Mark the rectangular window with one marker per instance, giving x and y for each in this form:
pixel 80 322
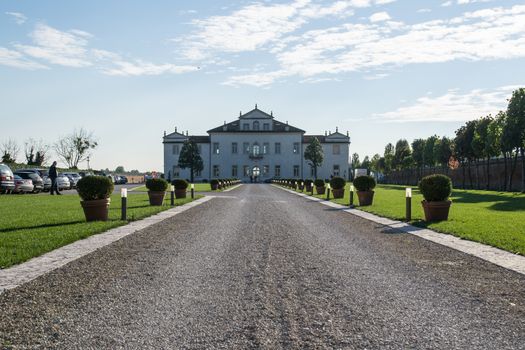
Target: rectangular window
pixel 176 172
pixel 277 171
pixel 198 173
pixel 312 172
pixel 246 126
pixel 296 171
pixel 215 148
pixel 234 147
pixel 266 169
pixel 199 147
pixel 216 172
pixel 234 170
pixel 246 147
pixel 266 148
pixel 296 147
pixel 176 149
pixel 336 170
pixel 277 148
pixel 246 170
pixel 266 126
pixel 336 149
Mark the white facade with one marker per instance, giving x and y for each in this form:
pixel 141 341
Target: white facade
pixel 257 145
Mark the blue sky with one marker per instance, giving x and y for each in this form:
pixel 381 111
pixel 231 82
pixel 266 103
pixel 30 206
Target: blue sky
pixel 381 69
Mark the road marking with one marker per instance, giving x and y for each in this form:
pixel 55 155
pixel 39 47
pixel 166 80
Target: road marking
pixel 19 274
pixel 493 255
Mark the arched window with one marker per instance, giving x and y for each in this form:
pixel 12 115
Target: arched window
pixel 255 125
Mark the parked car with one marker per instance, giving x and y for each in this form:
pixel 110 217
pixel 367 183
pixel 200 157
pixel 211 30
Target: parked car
pixel 40 172
pixel 7 183
pixel 73 178
pixel 38 183
pixel 63 182
pixel 47 183
pixel 23 185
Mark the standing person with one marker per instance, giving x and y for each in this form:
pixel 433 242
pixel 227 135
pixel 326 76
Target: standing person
pixel 53 176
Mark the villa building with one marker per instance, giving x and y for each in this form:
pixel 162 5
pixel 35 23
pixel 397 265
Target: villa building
pixel 258 146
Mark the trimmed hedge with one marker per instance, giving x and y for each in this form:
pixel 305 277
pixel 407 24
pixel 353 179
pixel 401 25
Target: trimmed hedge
pixel 435 188
pixel 180 184
pixel 364 183
pixel 94 187
pixel 319 183
pixel 337 183
pixel 157 185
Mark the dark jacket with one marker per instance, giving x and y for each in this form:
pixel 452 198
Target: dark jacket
pixel 53 172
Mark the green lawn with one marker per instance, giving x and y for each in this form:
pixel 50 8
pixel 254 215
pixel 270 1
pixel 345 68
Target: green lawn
pixel 33 225
pixel 199 187
pixel 493 218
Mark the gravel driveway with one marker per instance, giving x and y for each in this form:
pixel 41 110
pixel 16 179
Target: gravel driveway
pixel 262 268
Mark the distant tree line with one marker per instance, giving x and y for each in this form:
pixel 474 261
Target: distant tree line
pixel 70 149
pixel 475 145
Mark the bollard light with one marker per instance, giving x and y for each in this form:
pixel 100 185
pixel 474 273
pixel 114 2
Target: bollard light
pixel 192 186
pixel 172 195
pixel 124 203
pixel 328 187
pixel 352 197
pixel 408 195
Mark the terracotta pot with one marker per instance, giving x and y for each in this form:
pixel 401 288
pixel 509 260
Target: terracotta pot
pixel 320 190
pixel 96 210
pixel 156 197
pixel 436 211
pixel 308 188
pixel 294 186
pixel 180 193
pixel 338 193
pixel 365 197
pixel 214 187
pixel 301 188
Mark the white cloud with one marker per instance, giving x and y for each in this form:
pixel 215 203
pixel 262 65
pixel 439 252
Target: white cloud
pixel 15 59
pixel 379 17
pixel 489 34
pixel 58 47
pixel 137 68
pixel 451 107
pixel 71 49
pixel 18 17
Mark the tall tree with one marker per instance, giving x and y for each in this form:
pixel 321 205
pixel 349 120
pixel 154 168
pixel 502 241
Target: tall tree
pixel 375 166
pixel 428 153
pixel 418 148
pixel 516 116
pixel 443 150
pixel 10 150
pixel 402 155
pixel 480 145
pixel 314 154
pixel 190 157
pixel 119 169
pixel 76 147
pixel 463 147
pixel 355 162
pixel 36 151
pixel 493 143
pixel 365 164
pixel 389 157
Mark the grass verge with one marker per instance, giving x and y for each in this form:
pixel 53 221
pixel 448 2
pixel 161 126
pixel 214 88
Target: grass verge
pixel 492 218
pixel 33 225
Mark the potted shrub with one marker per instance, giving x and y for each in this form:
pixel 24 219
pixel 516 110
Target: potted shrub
pixel 436 190
pixel 95 192
pixel 364 186
pixel 301 184
pixel 338 186
pixel 319 186
pixel 156 190
pixel 214 184
pixel 308 183
pixel 180 188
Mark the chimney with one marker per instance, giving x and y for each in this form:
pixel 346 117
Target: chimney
pixel 164 133
pixel 175 129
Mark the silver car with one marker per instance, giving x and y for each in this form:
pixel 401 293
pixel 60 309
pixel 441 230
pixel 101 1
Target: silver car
pixel 63 182
pixel 73 178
